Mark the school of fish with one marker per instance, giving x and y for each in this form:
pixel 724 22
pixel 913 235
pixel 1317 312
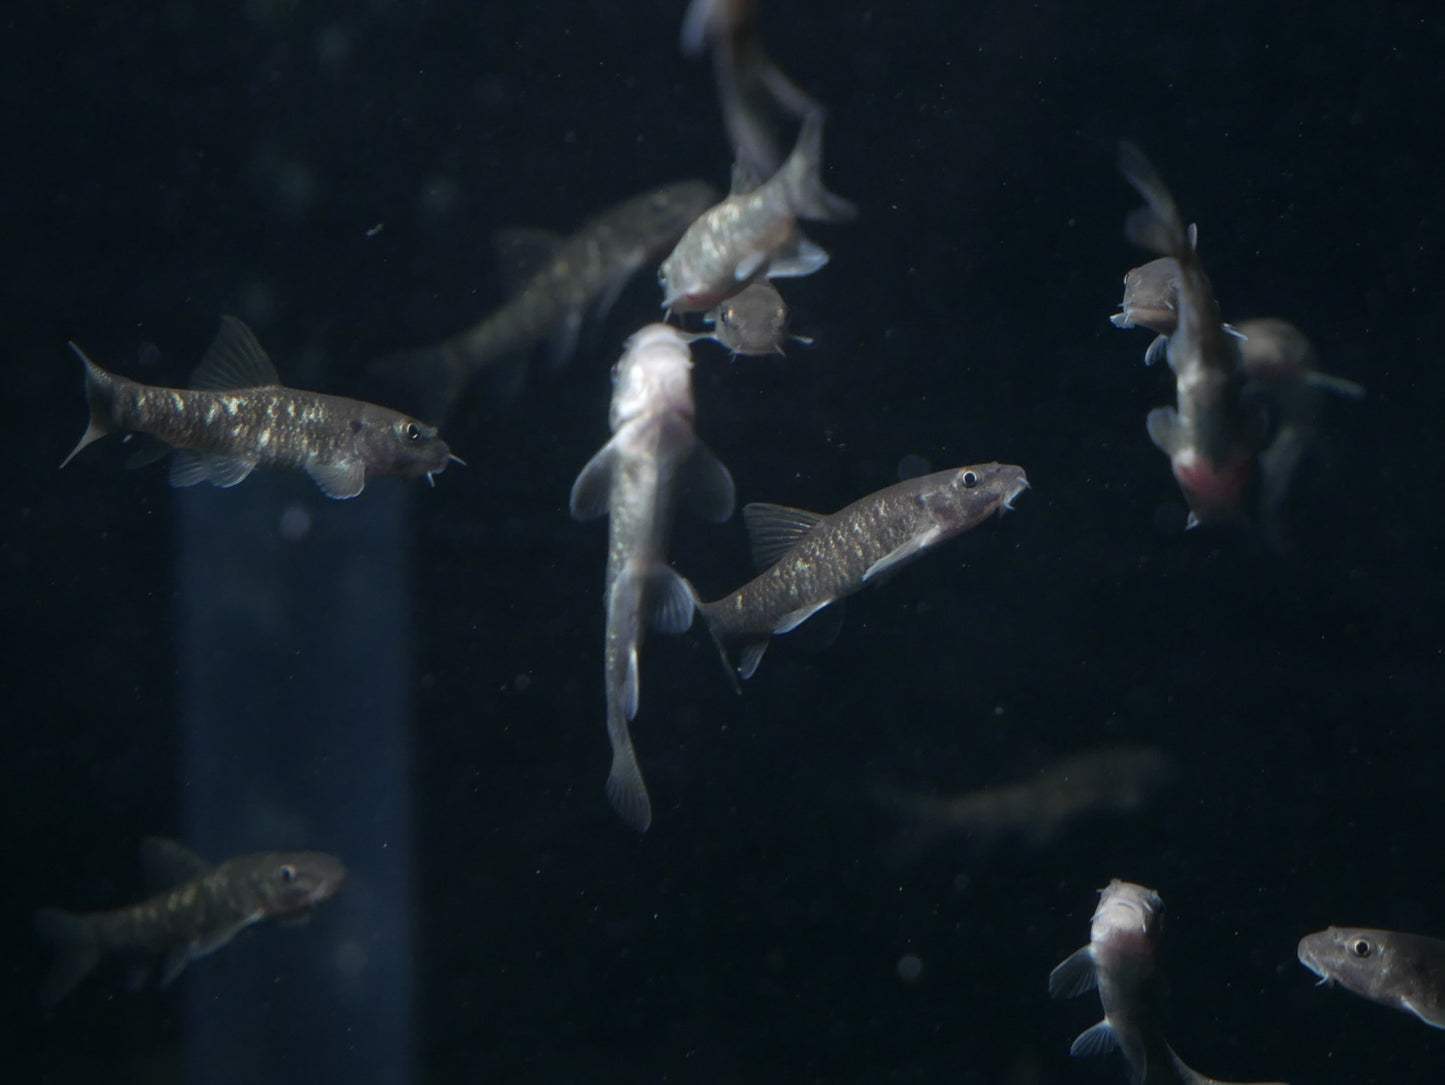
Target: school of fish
pixel 1248 403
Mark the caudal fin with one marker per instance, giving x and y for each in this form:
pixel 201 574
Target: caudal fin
pixel 1189 1076
pixel 76 947
pixel 99 392
pixel 803 171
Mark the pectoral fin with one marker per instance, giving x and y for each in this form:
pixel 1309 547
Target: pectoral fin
pixel 340 480
pixel 1167 431
pixel 1075 975
pixel 908 551
pixel 592 492
pixel 801 258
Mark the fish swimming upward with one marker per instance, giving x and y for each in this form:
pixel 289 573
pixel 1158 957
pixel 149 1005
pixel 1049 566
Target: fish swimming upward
pixel 754 232
pixel 1395 969
pixel 813 560
pixel 237 416
pixel 1121 963
pixel 653 458
pixel 1212 436
pixel 555 282
pixel 202 909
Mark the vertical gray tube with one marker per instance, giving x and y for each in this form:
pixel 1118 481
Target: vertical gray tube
pixel 294 659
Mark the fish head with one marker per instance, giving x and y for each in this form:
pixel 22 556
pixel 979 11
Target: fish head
pixel 983 488
pixel 290 881
pixel 753 322
pixel 1151 297
pixel 1274 351
pixel 1354 957
pixel 1125 930
pixel 654 376
pixel 683 290
pixel 393 443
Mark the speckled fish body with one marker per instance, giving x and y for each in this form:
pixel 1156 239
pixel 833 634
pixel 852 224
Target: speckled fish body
pixel 813 560
pixel 237 416
pixel 204 909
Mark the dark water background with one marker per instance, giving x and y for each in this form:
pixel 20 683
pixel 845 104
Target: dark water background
pixel 170 162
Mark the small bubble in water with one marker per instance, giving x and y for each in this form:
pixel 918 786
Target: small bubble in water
pixel 295 523
pixel 522 683
pixel 910 967
pixel 911 466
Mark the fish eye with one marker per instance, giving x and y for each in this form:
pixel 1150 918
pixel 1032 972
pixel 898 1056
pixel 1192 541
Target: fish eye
pixel 412 431
pixel 970 479
pixel 287 872
pixel 1360 947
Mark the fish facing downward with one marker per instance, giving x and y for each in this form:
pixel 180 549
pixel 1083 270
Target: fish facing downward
pixel 754 232
pixel 653 458
pixel 1212 436
pixel 812 560
pixel 1121 962
pixel 754 321
pixel 1395 969
pixel 237 416
pixel 202 909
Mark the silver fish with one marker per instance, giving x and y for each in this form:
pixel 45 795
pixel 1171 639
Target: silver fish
pixel 237 416
pixel 1399 970
pixel 1121 962
pixel 202 909
pixel 557 282
pixel 1213 435
pixel 754 232
pixel 812 560
pixel 635 479
pixel 752 322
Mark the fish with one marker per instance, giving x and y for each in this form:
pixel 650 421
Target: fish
pixel 237 416
pixel 1120 779
pixel 556 282
pixel 811 560
pixel 752 90
pixel 753 233
pixel 1399 970
pixel 1283 376
pixel 752 322
pixel 1121 963
pixel 202 908
pixel 1212 436
pixel 653 457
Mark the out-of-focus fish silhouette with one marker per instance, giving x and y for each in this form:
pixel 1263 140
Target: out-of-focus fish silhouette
pixel 203 907
pixel 1030 811
pixel 556 282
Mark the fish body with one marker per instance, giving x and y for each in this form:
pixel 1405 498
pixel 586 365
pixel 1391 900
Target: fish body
pixel 812 560
pixel 752 90
pixel 1121 962
pixel 635 479
pixel 752 322
pixel 204 908
pixel 557 281
pixel 754 232
pixel 1035 810
pixel 237 416
pixel 1399 970
pixel 1211 435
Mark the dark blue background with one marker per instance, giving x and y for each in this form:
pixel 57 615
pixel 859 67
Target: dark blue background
pixel 167 163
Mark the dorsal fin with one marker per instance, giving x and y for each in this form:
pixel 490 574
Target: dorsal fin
pixel 774 529
pixel 234 360
pixel 166 863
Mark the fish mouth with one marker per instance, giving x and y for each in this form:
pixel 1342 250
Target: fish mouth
pixel 1014 494
pixel 1310 961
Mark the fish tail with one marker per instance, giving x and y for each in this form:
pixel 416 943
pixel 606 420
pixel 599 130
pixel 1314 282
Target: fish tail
pixel 705 609
pixel 1189 1076
pixel 804 178
pixel 626 789
pixel 77 951
pixel 1157 225
pixel 99 397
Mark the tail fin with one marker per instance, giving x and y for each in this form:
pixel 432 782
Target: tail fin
pixel 77 951
pixel 626 789
pixel 99 393
pixel 1157 225
pixel 805 182
pixel 1188 1076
